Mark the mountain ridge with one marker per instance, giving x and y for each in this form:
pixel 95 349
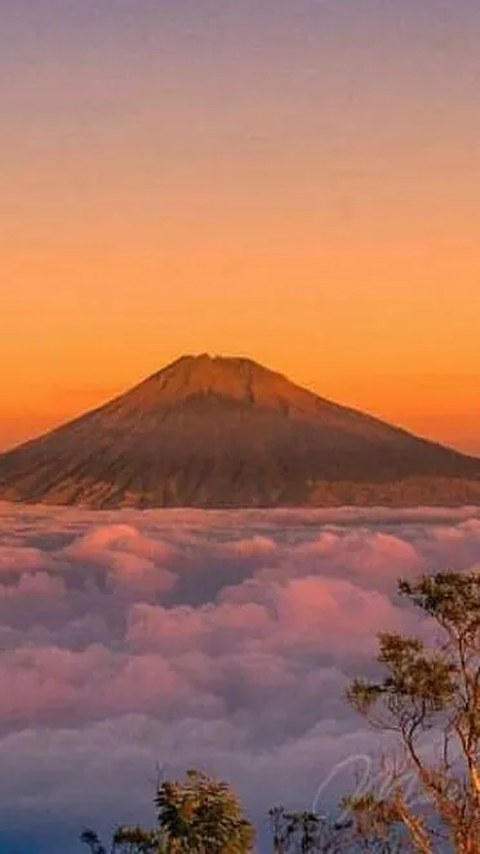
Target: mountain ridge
pixel 227 432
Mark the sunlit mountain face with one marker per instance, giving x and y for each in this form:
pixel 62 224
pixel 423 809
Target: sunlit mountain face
pixel 227 432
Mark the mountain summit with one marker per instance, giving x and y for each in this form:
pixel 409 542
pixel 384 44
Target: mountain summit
pixel 226 432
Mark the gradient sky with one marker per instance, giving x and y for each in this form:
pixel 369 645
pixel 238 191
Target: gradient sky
pixel 294 180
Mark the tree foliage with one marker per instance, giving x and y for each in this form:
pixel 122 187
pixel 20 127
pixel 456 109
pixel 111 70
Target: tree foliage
pixel 430 697
pixel 198 815
pixel 202 815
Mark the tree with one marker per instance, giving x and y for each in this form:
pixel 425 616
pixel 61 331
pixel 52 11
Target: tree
pixel 199 815
pixel 92 841
pixel 430 698
pixel 306 832
pixel 126 840
pixel 202 815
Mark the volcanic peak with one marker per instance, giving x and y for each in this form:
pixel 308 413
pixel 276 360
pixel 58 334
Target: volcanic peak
pixel 236 378
pixel 226 432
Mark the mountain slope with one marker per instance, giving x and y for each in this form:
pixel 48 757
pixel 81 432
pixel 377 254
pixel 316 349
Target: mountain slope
pixel 218 432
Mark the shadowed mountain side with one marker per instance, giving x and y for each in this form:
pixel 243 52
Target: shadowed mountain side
pixel 219 432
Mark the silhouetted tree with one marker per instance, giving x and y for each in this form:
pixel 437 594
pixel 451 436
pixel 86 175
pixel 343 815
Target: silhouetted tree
pixel 92 841
pixel 306 832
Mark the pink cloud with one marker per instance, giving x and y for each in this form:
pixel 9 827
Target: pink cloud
pixel 219 639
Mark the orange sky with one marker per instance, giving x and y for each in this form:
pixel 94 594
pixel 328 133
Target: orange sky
pixel 303 188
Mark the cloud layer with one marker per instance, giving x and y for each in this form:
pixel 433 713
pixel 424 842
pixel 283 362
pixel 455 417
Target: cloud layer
pixel 132 641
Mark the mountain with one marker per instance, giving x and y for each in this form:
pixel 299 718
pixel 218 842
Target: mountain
pixel 227 432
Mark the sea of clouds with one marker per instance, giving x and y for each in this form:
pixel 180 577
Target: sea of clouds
pixel 135 644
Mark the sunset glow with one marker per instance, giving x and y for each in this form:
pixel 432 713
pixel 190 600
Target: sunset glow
pixel 297 182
